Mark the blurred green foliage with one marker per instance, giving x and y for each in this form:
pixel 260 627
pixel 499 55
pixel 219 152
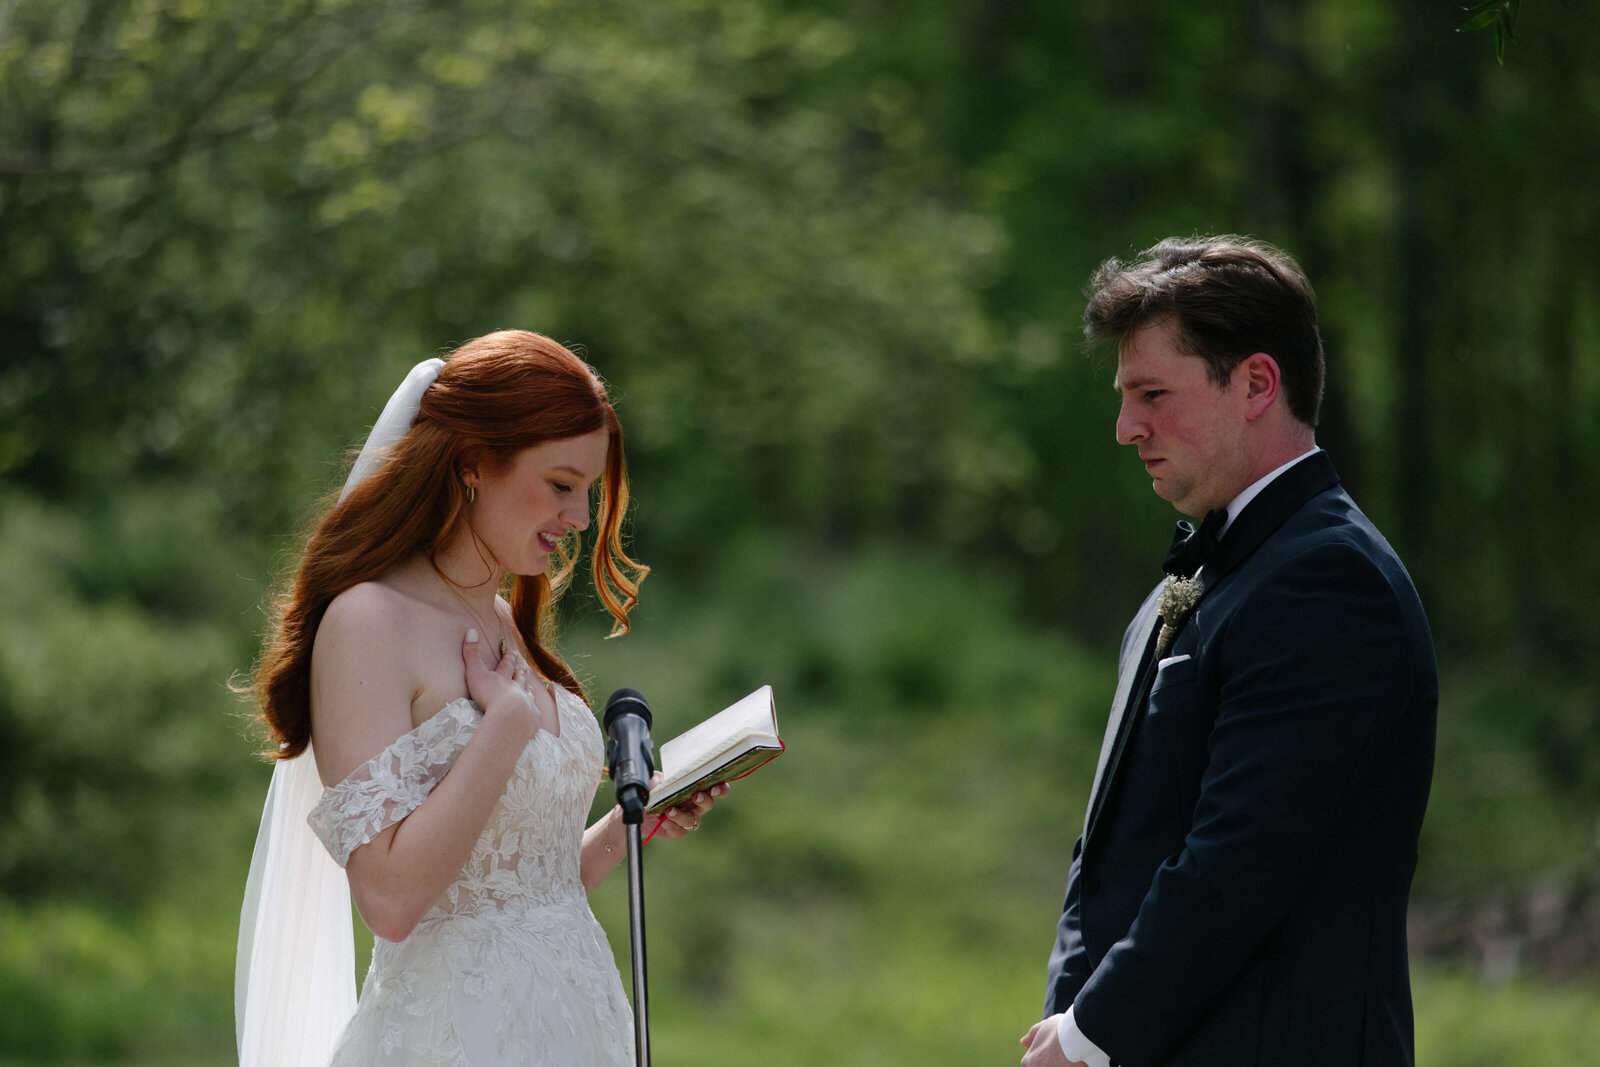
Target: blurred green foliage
pixel 828 255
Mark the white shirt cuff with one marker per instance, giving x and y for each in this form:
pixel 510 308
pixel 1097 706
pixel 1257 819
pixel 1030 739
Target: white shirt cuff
pixel 1076 1046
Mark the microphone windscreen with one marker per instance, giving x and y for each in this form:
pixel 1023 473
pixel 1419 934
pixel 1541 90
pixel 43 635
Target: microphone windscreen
pixel 626 702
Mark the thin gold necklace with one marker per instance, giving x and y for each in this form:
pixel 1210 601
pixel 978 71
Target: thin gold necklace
pixel 448 584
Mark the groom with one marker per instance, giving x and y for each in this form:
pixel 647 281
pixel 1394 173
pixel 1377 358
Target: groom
pixel 1238 895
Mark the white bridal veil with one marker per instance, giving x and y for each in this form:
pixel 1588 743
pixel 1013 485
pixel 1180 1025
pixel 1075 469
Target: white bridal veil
pixel 294 982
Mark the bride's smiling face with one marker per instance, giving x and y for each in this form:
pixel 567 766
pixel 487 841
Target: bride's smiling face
pixel 523 508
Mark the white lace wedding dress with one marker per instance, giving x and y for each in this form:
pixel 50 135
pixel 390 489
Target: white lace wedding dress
pixel 509 967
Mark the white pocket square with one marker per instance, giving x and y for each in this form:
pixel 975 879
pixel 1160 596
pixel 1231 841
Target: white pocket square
pixel 1170 660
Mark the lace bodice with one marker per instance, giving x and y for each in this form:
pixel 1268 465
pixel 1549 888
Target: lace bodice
pixel 527 851
pixel 508 966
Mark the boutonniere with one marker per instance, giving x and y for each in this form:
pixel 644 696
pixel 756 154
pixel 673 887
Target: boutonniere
pixel 1179 597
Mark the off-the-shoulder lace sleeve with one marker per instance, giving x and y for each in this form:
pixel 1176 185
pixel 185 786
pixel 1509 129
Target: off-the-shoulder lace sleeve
pixel 390 785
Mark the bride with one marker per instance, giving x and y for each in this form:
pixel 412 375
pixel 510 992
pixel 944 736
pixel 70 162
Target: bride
pixel 435 744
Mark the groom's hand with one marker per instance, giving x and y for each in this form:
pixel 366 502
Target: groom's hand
pixel 1044 1048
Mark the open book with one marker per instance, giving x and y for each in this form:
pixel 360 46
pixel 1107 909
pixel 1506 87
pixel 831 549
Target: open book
pixel 729 745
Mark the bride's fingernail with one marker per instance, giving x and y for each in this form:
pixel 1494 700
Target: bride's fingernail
pixel 472 637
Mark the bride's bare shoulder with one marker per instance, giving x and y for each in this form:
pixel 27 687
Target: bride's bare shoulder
pixel 368 604
pixel 372 625
pixel 367 667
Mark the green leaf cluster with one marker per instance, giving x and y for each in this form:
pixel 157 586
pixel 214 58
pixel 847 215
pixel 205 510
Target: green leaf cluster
pixel 1498 16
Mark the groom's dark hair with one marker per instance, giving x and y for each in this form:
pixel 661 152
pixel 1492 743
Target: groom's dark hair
pixel 1228 297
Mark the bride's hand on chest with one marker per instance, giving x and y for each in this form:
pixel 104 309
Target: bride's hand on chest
pixel 508 687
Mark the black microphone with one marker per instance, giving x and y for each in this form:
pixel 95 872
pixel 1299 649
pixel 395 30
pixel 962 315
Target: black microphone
pixel 631 757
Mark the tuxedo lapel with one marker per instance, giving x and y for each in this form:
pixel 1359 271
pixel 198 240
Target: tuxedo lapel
pixel 1260 519
pixel 1145 641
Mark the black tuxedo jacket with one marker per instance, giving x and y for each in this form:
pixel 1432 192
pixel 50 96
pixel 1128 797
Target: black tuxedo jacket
pixel 1239 894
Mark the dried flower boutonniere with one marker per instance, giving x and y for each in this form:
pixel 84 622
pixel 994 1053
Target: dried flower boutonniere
pixel 1179 597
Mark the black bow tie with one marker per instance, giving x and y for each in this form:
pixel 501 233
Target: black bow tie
pixel 1191 547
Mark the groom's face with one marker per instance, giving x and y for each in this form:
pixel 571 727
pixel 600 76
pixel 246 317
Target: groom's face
pixel 1188 431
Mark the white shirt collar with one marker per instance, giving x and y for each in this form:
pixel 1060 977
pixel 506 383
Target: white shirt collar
pixel 1240 502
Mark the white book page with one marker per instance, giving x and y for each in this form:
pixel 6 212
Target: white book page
pixel 701 744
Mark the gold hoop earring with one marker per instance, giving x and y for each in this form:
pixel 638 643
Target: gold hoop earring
pixel 472 494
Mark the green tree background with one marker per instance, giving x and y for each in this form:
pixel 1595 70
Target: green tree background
pixel 830 257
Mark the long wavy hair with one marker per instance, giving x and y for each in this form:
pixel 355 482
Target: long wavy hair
pixel 495 396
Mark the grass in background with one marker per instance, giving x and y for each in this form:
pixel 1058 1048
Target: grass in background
pixel 1464 1022
pixel 81 985
pixel 814 985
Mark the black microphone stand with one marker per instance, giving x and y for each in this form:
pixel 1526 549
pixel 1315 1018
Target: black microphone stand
pixel 627 724
pixel 632 818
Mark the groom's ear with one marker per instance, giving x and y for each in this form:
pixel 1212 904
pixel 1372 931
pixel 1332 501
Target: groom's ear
pixel 1262 382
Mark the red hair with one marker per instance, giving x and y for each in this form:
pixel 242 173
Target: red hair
pixel 495 396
